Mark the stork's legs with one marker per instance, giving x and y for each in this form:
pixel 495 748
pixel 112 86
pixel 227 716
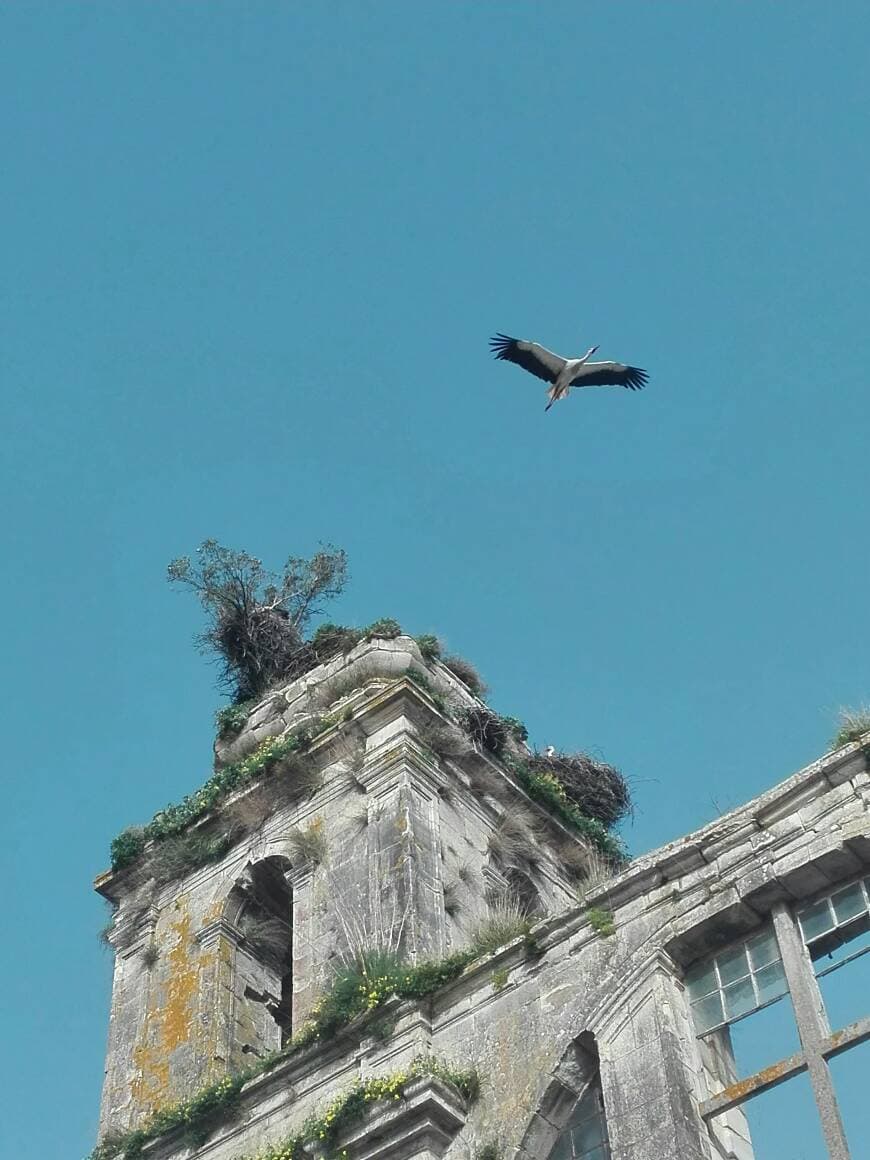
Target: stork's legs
pixel 556 392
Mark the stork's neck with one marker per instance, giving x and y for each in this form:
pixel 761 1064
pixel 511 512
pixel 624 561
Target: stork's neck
pixel 589 353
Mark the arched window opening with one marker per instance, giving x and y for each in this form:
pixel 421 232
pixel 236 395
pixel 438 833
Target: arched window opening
pixel 526 894
pixel 266 922
pixel 584 1137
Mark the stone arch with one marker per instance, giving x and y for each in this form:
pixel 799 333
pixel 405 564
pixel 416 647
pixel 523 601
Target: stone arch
pixel 260 909
pixel 526 893
pixel 574 1084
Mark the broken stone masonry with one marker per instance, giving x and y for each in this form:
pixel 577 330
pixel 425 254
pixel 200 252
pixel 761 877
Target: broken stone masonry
pixel 587 1037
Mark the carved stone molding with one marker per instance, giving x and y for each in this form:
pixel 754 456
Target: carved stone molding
pixel 403 762
pixel 129 938
pixel 299 877
pixel 496 884
pixel 208 935
pixel 419 1125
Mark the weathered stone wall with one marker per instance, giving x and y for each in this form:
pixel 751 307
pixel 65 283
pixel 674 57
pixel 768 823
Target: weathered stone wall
pixel 398 824
pixel 517 1016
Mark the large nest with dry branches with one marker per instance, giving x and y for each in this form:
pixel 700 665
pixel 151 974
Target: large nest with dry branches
pixel 597 789
pixel 258 645
pixel 485 728
pixel 255 618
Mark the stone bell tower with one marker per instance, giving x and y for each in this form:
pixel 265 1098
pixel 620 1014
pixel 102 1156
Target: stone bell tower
pixel 389 828
pixel 376 804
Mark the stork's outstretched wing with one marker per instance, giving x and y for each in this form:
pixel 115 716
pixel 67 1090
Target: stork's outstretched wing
pixel 610 374
pixel 528 355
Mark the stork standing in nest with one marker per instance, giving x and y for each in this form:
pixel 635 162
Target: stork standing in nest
pixel 565 373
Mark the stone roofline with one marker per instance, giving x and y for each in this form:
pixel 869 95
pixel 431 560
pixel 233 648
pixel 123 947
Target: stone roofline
pixel 741 849
pixel 289 705
pixel 681 859
pixel 387 661
pixel 390 659
pixel 370 706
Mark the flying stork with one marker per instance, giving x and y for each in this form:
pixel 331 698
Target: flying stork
pixel 565 373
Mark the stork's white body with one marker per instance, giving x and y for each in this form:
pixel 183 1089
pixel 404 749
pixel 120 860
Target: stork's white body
pixel 569 372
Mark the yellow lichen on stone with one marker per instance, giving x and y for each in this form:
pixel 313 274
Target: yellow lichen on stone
pixel 177 1012
pixel 150 1083
pixel 169 1019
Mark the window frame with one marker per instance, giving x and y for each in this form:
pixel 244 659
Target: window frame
pixel 818 1042
pixel 722 987
pixel 600 1150
pixel 834 937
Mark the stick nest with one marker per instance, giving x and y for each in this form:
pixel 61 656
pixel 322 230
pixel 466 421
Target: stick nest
pixel 597 789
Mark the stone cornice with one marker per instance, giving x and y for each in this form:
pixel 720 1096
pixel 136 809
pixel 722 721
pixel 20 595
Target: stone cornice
pixel 741 826
pixel 208 935
pixel 421 1123
pixel 402 758
pixel 129 938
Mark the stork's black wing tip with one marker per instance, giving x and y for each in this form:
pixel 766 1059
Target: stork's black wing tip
pixel 500 344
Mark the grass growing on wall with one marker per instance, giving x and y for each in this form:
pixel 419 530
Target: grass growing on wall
pixel 323 1129
pixel 360 987
pixel 231 719
pixel 549 791
pixel 174 819
pixel 504 737
pixel 198 1117
pixel 852 725
pixel 505 921
pixel 601 921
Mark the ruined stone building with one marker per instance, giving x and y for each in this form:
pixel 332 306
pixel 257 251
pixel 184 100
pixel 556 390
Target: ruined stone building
pixel 609 1031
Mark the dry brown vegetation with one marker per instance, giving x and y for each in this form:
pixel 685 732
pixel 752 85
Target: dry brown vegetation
pixel 467 673
pixel 506 920
pixel 444 740
pixel 309 844
pixel 597 789
pixel 256 618
pixel 485 782
pixel 853 724
pixel 514 842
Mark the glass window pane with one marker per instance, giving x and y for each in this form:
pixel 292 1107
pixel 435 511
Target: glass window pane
pixel 584 1110
pixel 849 903
pixel 739 998
pixel 708 1012
pixel 587 1136
pixel 823 950
pixel 816 919
pixel 733 964
pixel 702 981
pixel 846 991
pixel 770 982
pixel 562 1149
pixel 763 949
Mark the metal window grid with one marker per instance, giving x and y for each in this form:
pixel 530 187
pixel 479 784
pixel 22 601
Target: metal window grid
pixel 584 1137
pixel 836 918
pixel 818 1043
pixel 736 982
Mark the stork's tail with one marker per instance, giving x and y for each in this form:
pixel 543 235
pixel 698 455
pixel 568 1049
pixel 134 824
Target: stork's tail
pixel 554 394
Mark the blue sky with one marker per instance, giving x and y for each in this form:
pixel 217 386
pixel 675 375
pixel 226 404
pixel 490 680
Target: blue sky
pixel 253 253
